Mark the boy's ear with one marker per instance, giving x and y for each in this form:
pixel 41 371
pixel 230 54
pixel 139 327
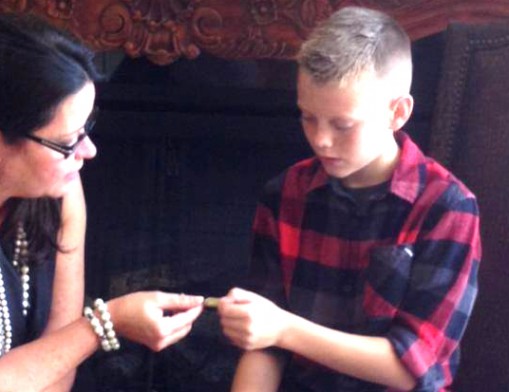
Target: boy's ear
pixel 401 111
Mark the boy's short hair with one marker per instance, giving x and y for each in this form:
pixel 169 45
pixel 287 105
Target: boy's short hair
pixel 354 40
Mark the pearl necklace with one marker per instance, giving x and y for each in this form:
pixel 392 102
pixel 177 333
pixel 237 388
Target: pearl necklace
pixel 19 261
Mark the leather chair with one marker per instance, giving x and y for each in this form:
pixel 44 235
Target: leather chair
pixel 470 136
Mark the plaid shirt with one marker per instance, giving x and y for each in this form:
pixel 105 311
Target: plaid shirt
pixel 404 267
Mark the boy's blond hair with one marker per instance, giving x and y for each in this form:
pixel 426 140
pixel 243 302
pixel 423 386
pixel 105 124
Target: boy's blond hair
pixel 353 41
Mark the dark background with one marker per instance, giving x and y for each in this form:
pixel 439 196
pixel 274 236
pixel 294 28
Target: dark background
pixel 184 150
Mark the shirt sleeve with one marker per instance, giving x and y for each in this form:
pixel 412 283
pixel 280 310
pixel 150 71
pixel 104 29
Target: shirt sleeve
pixel 441 292
pixel 265 276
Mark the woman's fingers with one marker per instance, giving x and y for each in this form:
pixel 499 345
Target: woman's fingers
pixel 174 328
pixel 177 302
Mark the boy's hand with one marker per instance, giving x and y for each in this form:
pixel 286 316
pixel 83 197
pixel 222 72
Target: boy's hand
pixel 251 321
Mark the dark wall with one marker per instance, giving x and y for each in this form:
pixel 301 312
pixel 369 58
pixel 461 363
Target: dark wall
pixel 183 153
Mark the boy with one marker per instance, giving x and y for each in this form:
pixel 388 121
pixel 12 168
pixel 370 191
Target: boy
pixel 365 257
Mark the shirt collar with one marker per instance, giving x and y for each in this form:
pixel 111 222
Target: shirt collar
pixel 406 180
pixel 320 176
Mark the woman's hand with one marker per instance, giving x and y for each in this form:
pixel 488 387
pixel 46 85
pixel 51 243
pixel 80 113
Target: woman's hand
pixel 154 318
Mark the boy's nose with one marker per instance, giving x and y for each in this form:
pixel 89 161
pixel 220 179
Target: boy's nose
pixel 323 139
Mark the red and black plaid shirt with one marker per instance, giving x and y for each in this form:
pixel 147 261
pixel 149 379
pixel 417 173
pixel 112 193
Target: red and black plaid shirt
pixel 403 264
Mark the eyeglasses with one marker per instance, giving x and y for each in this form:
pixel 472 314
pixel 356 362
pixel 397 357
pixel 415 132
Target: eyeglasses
pixel 65 149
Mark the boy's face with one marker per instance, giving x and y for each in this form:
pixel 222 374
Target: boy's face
pixel 350 128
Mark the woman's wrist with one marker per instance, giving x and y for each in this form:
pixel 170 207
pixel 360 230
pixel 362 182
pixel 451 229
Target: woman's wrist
pixel 102 325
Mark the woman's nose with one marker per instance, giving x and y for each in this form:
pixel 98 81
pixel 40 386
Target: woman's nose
pixel 86 149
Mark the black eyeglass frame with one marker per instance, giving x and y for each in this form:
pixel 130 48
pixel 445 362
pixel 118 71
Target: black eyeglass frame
pixel 67 150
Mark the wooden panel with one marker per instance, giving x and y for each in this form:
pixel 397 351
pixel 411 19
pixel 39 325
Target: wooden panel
pixel 165 30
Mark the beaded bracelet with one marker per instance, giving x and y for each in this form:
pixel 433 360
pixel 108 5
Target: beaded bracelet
pixel 101 307
pixel 102 325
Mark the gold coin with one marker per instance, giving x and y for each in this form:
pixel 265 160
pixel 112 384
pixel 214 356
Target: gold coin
pixel 211 302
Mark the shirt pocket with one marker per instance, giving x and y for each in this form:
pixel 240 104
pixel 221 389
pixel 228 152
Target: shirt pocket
pixel 386 280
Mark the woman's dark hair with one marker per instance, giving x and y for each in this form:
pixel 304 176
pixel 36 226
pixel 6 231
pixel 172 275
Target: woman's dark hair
pixel 40 66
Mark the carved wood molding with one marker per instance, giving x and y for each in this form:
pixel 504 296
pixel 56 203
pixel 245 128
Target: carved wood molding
pixel 165 30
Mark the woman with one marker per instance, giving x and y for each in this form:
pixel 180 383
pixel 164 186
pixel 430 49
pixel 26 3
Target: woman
pixel 46 111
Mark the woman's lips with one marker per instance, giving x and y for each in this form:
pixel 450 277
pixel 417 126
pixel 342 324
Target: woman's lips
pixel 72 175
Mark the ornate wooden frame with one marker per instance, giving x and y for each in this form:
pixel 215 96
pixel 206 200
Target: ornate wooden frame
pixel 165 30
